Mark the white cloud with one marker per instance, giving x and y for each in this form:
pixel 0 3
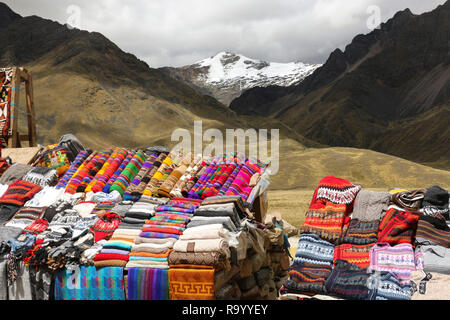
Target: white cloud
pixel 180 32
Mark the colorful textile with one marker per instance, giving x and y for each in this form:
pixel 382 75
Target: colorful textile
pixel 312 265
pixel 6 75
pixel 54 157
pixel 90 283
pixel 336 191
pixel 433 231
pixel 80 158
pixel 25 216
pixel 108 169
pixel 326 221
pixel 399 260
pixel 19 192
pixel 118 171
pixel 398 227
pixel 134 190
pixel 105 226
pixel 355 254
pixel 348 281
pixel 191 283
pixel 129 172
pixel 92 168
pixel 36 227
pixel 360 232
pixel 148 284
pixel 389 287
pixel 240 185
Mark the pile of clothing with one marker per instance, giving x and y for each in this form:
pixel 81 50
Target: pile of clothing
pixel 134 224
pixel 365 245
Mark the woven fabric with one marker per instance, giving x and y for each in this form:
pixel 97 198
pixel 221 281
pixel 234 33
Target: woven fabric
pixel 348 281
pixel 148 284
pixel 389 287
pixel 19 192
pixel 370 205
pixel 312 265
pixel 79 159
pixel 129 172
pixel 355 254
pixel 398 227
pixel 191 283
pixel 336 191
pixel 6 75
pixel 90 283
pixel 360 232
pixel 432 231
pixel 327 222
pixel 399 260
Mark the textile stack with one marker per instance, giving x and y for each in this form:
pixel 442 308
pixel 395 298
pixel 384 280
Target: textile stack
pixel 137 225
pixel 365 245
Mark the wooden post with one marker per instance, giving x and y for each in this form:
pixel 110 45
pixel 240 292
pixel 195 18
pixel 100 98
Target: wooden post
pixel 14 116
pixel 31 115
pixel 14 141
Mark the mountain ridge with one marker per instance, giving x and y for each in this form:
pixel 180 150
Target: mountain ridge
pixel 226 75
pixel 393 74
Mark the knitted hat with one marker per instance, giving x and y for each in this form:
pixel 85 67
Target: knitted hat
pixel 436 200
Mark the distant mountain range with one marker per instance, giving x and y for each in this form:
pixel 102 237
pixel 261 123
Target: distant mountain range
pixel 389 91
pixel 226 75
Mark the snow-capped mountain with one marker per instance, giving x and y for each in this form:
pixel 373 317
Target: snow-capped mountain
pixel 226 75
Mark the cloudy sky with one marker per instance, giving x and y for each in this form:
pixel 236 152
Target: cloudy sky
pixel 180 32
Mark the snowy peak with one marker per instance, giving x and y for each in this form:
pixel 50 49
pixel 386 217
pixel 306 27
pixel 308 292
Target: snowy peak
pixel 226 75
pixel 227 66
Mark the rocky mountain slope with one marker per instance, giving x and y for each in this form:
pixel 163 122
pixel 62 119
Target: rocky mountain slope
pixel 226 75
pixel 388 91
pixel 86 85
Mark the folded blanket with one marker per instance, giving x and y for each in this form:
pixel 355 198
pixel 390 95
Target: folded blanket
pixel 148 284
pixel 90 284
pixel 226 222
pixel 211 258
pixel 152 247
pixel 214 231
pixel 161 235
pixel 166 241
pixel 200 282
pixel 221 210
pixel 432 231
pixel 360 232
pixel 204 245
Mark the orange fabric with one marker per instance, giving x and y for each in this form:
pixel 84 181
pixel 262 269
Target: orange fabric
pixel 191 284
pixel 153 255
